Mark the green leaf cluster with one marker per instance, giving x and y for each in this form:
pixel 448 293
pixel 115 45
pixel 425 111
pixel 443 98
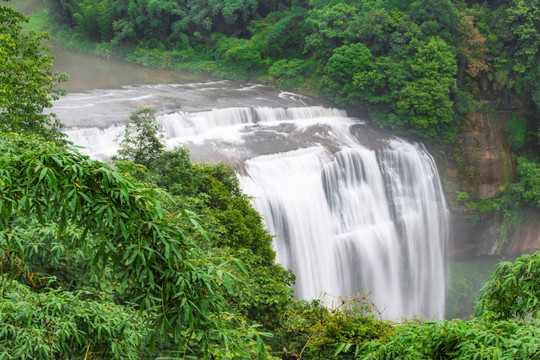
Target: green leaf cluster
pixel 318 330
pixel 513 290
pixel 474 339
pixel 27 80
pixel 527 191
pixel 142 140
pixel 73 228
pixel 57 324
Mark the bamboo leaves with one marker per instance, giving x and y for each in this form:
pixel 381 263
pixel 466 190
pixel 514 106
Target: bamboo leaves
pixel 124 228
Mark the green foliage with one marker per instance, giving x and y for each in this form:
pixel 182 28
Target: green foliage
pixel 263 291
pixel 527 191
pixel 241 60
pixel 62 324
pixel 94 19
pixel 211 190
pixel 281 33
pixel 435 18
pixel 315 331
pixel 135 242
pixel 288 74
pixel 516 132
pixel 513 290
pixel 333 26
pixel 143 137
pixel 351 75
pixel 236 223
pixel 474 339
pixel 423 103
pixel 524 16
pixel 27 79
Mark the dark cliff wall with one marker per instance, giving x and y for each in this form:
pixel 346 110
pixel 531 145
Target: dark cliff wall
pixel 481 165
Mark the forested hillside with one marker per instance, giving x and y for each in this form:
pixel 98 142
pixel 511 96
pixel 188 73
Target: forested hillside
pixel 163 258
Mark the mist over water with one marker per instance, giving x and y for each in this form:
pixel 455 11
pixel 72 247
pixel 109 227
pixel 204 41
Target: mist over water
pixel 353 209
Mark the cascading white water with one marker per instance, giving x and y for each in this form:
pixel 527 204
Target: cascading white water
pixel 358 221
pixel 353 209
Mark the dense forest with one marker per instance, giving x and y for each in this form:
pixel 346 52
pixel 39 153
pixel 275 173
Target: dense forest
pixel 158 257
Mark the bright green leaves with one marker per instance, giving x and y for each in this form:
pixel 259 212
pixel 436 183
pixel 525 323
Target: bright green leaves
pixel 435 17
pixel 123 227
pixel 527 190
pixel 143 139
pixel 27 81
pixel 524 16
pixel 474 339
pixel 417 87
pixel 315 331
pixel 513 290
pixel 423 102
pixel 70 223
pixel 241 59
pixel 351 76
pixel 333 25
pixel 63 324
pixel 289 73
pixel 517 130
pixel 94 19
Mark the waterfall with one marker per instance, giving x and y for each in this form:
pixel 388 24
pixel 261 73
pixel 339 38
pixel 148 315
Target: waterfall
pixel 353 210
pixel 358 221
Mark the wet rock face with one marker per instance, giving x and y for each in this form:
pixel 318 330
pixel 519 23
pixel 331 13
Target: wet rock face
pixel 527 238
pixel 485 166
pixel 484 238
pixel 483 169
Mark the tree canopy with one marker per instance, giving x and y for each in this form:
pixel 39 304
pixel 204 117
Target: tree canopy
pixel 27 80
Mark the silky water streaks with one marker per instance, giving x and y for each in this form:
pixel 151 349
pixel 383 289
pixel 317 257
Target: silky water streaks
pixel 353 209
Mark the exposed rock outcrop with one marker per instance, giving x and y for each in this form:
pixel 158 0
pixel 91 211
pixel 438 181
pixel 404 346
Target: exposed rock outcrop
pixel 482 167
pixel 482 155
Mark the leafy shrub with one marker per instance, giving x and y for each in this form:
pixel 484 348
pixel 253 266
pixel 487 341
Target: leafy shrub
pixel 516 132
pixel 137 243
pixel 513 290
pixel 474 339
pixel 63 324
pixel 27 80
pixel 143 137
pixel 241 60
pixel 314 330
pixel 236 223
pixel 528 188
pixel 351 76
pixel 289 74
pixel 144 54
pixel 262 294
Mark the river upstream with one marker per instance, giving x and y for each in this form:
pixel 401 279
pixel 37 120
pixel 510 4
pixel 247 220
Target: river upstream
pixel 353 209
